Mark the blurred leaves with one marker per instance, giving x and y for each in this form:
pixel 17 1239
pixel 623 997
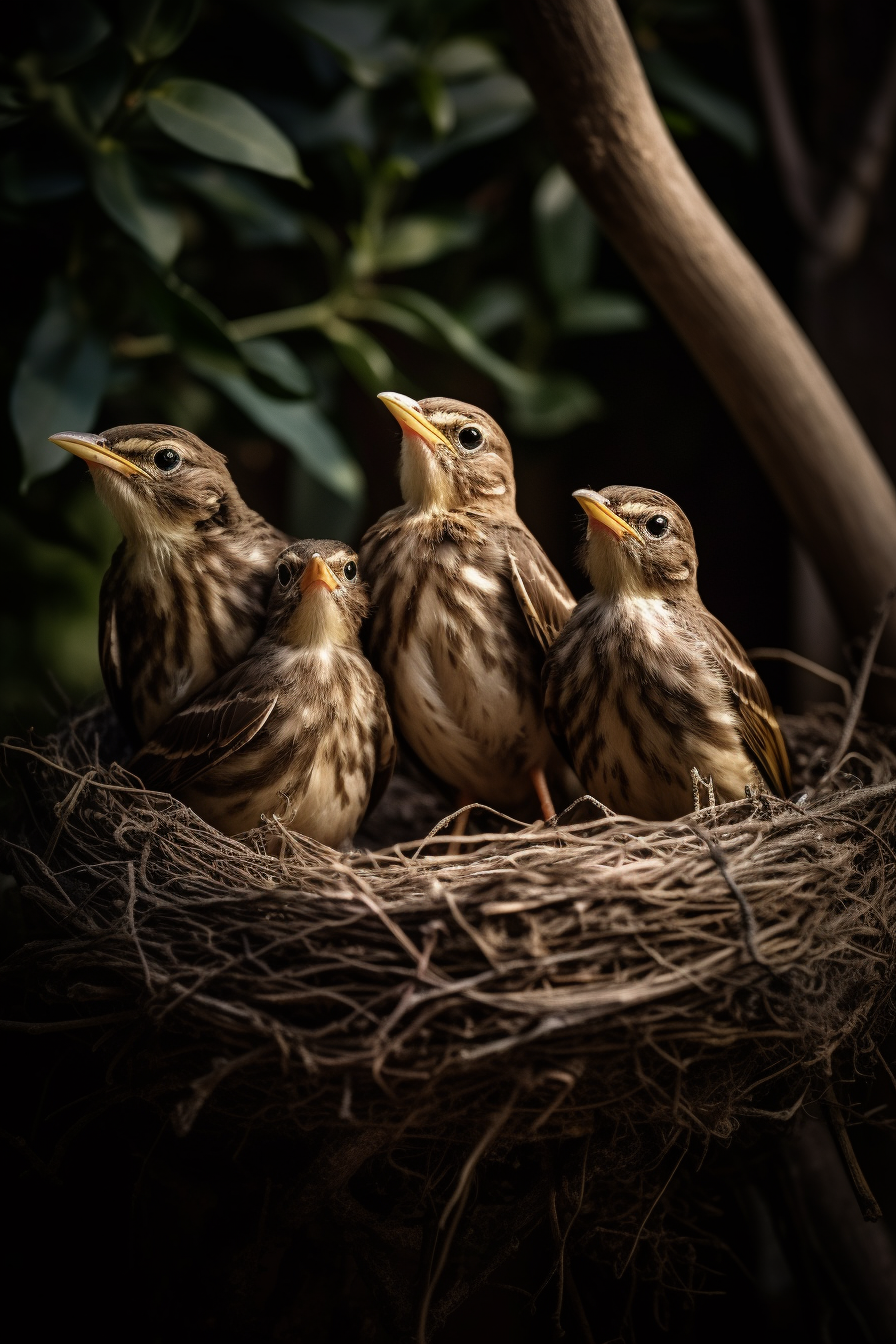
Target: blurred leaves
pixel 59 382
pixel 154 29
pixel 672 79
pixel 215 121
pixel 187 169
pixel 117 185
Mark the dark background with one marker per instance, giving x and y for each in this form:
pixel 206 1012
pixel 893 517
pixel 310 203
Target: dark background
pixel 115 1223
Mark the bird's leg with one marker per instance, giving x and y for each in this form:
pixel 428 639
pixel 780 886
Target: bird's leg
pixel 459 826
pixel 711 790
pixel 540 784
pixel 695 785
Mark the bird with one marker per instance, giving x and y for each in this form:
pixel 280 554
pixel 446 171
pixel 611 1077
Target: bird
pixel 299 729
pixel 644 686
pixel 465 604
pixel 185 594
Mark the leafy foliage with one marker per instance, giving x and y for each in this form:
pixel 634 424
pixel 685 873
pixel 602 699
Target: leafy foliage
pixel 241 210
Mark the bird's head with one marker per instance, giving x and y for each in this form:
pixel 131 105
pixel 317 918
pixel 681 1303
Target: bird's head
pixel 157 480
pixel 638 544
pixel 453 455
pixel 317 598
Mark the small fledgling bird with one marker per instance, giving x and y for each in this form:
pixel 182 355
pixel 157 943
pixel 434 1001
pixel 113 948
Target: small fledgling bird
pixel 299 729
pixel 186 592
pixel 644 685
pixel 465 604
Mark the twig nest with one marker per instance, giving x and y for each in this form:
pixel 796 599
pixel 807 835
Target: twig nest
pixel 610 974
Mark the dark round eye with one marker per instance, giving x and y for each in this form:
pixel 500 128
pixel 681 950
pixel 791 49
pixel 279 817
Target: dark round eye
pixel 284 574
pixel 657 526
pixel 470 437
pixel 166 459
pixel 350 572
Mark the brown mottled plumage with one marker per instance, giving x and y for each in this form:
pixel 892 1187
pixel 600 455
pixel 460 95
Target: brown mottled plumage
pixel 465 603
pixel 185 594
pixel 299 729
pixel 644 684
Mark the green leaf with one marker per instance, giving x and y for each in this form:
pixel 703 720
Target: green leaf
pixel 59 383
pixel 69 36
pixel 565 233
pixel 672 79
pixel 486 109
pixel 254 216
pixel 273 358
pixel 437 101
pixel 449 330
pixel 414 240
pixel 215 121
pixel 298 425
pixel 356 33
pixel 118 186
pixel 552 405
pixel 155 28
pixel 494 306
pixel 364 357
pixel 463 57
pixel 597 311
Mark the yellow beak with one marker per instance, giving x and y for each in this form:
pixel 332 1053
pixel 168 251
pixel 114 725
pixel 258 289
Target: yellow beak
pixel 91 448
pixel 599 510
pixel 411 417
pixel 317 571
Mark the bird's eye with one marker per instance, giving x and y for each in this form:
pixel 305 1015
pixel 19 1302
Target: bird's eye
pixel 657 526
pixel 166 459
pixel 350 571
pixel 470 437
pixel 284 574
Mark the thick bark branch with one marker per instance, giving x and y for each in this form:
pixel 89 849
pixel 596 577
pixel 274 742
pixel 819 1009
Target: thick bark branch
pixel 581 63
pixel 794 164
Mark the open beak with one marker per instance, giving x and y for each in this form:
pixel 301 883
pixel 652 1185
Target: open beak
pixel 94 452
pixel 599 512
pixel 317 573
pixel 411 418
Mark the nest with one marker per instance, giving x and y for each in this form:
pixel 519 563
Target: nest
pixel 620 988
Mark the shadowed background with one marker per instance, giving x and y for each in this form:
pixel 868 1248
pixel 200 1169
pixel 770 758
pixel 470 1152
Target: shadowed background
pixel 166 259
pixel 247 219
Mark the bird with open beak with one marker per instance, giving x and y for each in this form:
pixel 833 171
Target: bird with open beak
pixel 643 685
pixel 298 730
pixel 465 605
pixel 186 592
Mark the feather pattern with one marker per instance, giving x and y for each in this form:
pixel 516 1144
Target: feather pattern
pixel 299 730
pixel 465 603
pixel 644 684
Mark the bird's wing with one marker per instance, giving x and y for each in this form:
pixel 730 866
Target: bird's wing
pixel 544 598
pixel 110 658
pixel 761 734
pixel 386 757
pixel 222 721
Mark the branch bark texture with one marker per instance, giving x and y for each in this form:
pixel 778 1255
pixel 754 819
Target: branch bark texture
pixel 581 63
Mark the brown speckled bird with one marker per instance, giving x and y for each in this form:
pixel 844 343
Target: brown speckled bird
pixel 644 685
pixel 465 604
pixel 299 729
pixel 186 592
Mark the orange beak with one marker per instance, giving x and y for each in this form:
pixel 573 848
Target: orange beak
pixel 601 515
pixel 93 451
pixel 413 420
pixel 317 573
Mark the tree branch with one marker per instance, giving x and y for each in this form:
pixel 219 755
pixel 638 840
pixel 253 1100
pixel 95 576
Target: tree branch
pixel 794 164
pixel 581 63
pixel 845 223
